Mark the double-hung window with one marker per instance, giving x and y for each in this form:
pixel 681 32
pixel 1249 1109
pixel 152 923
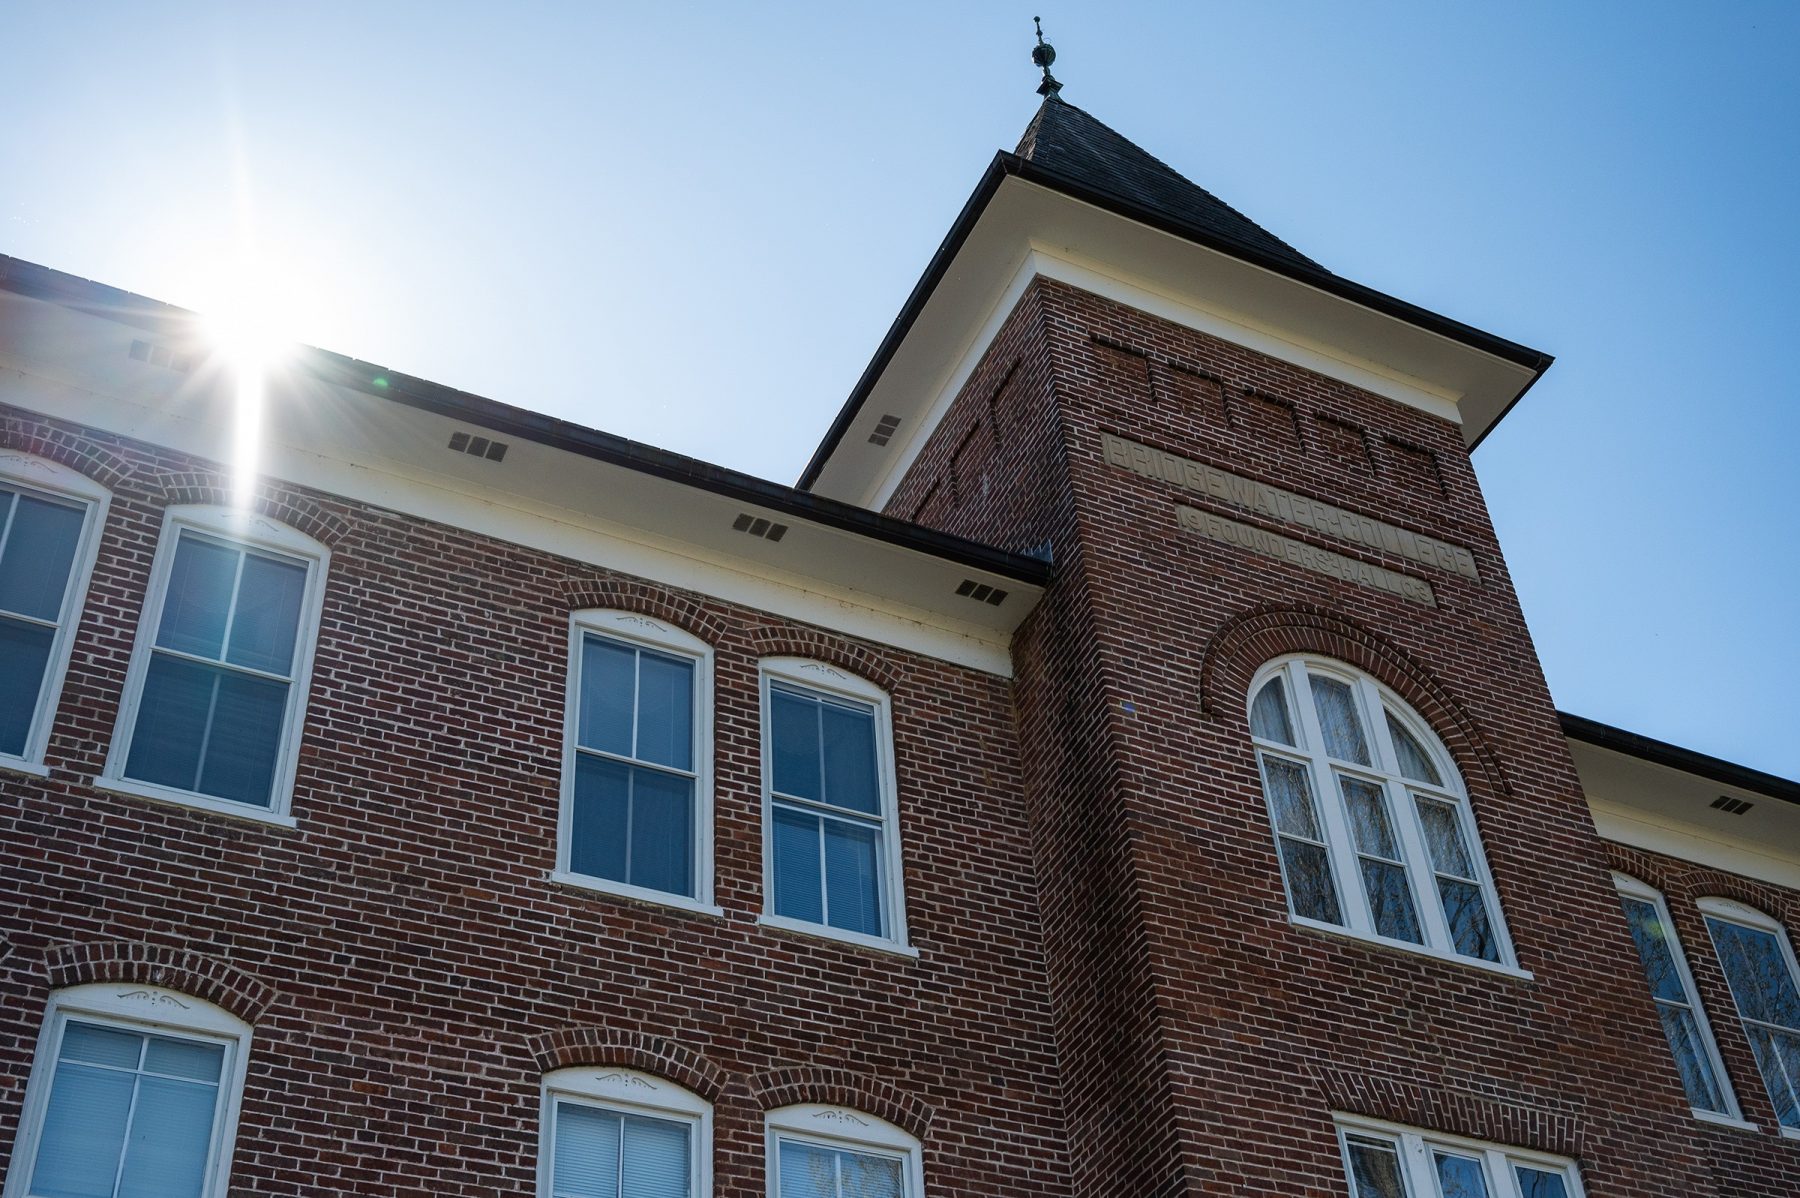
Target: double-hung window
pixel 1677 1003
pixel 49 522
pixel 1385 1161
pixel 1371 821
pixel 618 1133
pixel 636 812
pixel 833 1152
pixel 217 690
pixel 134 1093
pixel 1759 967
pixel 831 847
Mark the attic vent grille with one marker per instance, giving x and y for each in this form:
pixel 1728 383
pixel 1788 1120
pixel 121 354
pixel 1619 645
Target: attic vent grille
pixel 478 447
pixel 158 355
pixel 1731 806
pixel 756 526
pixel 885 428
pixel 981 592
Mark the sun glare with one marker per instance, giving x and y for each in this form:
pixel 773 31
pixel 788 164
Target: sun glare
pixel 247 326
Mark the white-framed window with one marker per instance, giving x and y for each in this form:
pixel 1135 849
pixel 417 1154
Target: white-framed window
pixel 134 1091
pixel 618 1133
pixel 1371 819
pixel 636 814
pixel 216 691
pixel 50 521
pixel 836 1152
pixel 1758 960
pixel 831 845
pixel 1383 1160
pixel 1677 1001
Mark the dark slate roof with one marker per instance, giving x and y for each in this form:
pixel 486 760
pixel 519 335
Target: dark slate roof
pixel 1064 139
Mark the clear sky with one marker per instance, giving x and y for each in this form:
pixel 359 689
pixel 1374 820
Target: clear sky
pixel 690 225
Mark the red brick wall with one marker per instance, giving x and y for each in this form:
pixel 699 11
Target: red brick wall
pixel 410 972
pixel 1206 1039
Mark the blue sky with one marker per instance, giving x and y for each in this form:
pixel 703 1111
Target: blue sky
pixel 673 221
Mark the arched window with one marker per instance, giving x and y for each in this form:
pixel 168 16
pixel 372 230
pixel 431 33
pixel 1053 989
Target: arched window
pixel 618 1133
pixel 1759 966
pixel 1371 820
pixel 50 518
pixel 835 1152
pixel 134 1091
pixel 216 691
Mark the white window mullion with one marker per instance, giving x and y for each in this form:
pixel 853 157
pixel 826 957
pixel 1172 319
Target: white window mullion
pixel 1503 1182
pixel 1415 1158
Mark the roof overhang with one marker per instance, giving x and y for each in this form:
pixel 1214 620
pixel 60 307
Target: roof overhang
pixel 349 428
pixel 1025 217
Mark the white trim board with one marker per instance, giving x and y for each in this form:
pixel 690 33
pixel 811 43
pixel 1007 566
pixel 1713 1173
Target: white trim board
pixel 1641 830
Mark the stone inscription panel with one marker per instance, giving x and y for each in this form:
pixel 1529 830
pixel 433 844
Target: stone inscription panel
pixel 1299 553
pixel 1277 504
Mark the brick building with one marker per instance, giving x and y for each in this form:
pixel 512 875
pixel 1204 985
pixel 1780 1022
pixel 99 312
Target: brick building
pixel 1120 766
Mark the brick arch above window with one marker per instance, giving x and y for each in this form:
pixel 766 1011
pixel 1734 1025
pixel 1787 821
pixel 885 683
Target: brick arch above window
pixel 80 454
pixel 646 599
pixel 591 1046
pixel 1698 884
pixel 224 985
pixel 785 641
pixel 1260 634
pixel 777 1088
pixel 1538 1121
pixel 271 499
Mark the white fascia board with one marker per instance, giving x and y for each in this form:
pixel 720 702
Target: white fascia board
pixel 1655 833
pixel 189 416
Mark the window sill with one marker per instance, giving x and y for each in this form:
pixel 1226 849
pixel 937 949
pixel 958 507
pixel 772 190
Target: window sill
pixel 1410 949
pixel 826 932
pixel 1719 1120
pixel 18 765
pixel 1791 1133
pixel 636 894
pixel 195 802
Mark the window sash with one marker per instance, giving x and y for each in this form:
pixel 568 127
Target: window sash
pixel 25 712
pixel 1775 1045
pixel 1704 1081
pixel 839 1154
pixel 631 1175
pixel 1417 1156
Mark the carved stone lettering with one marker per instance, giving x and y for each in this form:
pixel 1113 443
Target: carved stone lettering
pixel 1308 557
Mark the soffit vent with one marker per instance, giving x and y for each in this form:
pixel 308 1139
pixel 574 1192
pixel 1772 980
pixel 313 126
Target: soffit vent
pixel 478 447
pixel 1731 806
pixel 981 592
pixel 159 355
pixel 885 429
pixel 756 526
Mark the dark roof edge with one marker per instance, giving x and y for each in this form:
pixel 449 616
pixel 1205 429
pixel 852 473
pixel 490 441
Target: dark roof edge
pixel 1714 769
pixel 1011 164
pixel 41 282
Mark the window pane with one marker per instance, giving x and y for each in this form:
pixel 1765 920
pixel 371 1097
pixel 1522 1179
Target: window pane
pixel 100 1045
pixel 40 549
pixel 1290 794
pixel 24 656
pixel 242 745
pixel 171 1130
pixel 806 1171
pixel 1691 1059
pixel 1652 940
pixel 597 839
pixel 852 883
pixel 656 1159
pixel 798 888
pixel 198 598
pixel 608 677
pixel 1460 1177
pixel 1310 888
pixel 850 758
pixel 1443 836
pixel 1778 1060
pixel 662 831
pixel 1758 973
pixel 1466 912
pixel 794 727
pixel 868 1176
pixel 1338 722
pixel 586 1163
pixel 1375 1170
pixel 1390 901
pixel 267 614
pixel 84 1130
pixel 172 718
pixel 1269 714
pixel 184 1058
pixel 1536 1183
pixel 1369 818
pixel 1415 762
pixel 665 710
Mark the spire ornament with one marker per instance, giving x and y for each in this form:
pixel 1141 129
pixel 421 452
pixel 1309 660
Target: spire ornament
pixel 1043 54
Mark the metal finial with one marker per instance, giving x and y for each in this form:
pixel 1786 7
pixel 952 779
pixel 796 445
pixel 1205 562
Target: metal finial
pixel 1043 54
